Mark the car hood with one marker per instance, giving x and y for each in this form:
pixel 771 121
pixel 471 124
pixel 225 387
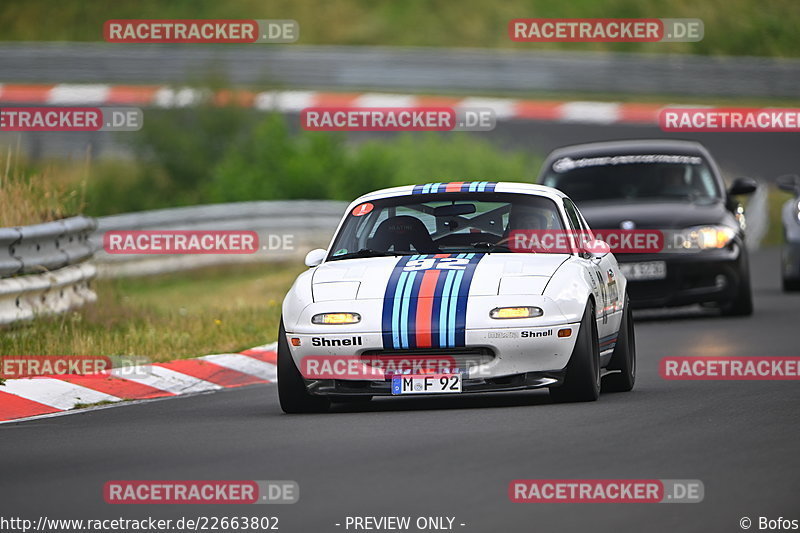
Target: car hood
pixel 493 274
pixel 654 214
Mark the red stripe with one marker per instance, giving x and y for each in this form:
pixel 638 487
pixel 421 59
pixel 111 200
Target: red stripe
pixel 119 387
pixel 642 113
pixel 240 98
pixel 454 186
pixel 424 320
pixel 266 356
pixel 538 110
pixel 15 407
pixel 208 371
pixel 131 94
pixel 441 256
pixel 38 94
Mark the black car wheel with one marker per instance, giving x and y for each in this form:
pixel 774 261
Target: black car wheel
pixel 582 379
pixel 623 360
pixel 292 393
pixel 742 303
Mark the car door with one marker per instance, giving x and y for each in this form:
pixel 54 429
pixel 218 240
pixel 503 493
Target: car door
pixel 604 272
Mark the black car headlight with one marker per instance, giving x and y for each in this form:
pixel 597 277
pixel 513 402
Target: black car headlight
pixel 705 237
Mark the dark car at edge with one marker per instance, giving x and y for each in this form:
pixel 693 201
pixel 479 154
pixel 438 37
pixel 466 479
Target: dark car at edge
pixel 674 187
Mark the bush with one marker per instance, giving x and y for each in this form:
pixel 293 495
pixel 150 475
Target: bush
pixel 274 164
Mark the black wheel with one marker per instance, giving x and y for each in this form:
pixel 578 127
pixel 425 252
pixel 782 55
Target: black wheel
pixel 624 357
pixel 582 380
pixel 742 303
pixel 791 285
pixel 292 391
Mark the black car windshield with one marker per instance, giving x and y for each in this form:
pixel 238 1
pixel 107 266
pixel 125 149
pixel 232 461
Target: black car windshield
pixel 615 178
pixel 441 223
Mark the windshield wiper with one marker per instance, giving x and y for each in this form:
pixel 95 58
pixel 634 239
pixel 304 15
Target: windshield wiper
pixel 368 252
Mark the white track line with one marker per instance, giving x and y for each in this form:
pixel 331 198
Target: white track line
pixel 166 380
pixel 55 393
pixel 245 364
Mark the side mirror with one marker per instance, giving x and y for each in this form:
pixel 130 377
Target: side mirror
pixel 743 186
pixel 789 183
pixel 597 249
pixel 315 257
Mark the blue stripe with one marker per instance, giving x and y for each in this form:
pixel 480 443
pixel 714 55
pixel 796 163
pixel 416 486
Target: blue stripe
pixel 436 323
pixel 389 303
pixel 417 189
pixel 412 309
pixel 443 313
pixel 404 309
pixel 452 309
pixel 426 188
pixel 490 186
pixel 473 186
pixel 397 300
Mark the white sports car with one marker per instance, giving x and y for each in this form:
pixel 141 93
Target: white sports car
pixel 422 291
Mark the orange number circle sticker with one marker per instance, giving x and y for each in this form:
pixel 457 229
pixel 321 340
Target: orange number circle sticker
pixel 363 209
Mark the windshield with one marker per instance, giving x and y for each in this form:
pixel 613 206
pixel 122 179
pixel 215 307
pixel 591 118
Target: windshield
pixel 606 178
pixel 441 223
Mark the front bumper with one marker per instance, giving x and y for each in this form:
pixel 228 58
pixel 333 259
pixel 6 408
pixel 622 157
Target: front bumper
pixel 493 359
pixel 526 381
pixel 711 276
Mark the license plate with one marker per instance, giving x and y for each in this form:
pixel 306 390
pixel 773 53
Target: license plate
pixel 643 271
pixel 426 384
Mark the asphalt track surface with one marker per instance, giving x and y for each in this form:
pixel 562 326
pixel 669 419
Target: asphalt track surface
pixel 454 456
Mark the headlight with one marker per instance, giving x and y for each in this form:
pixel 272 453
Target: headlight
pixel 336 318
pixel 797 215
pixel 515 312
pixel 705 237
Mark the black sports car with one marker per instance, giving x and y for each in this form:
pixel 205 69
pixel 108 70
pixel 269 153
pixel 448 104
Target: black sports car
pixel 671 186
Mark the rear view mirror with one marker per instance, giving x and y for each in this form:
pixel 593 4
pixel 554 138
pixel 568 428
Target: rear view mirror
pixel 743 186
pixel 453 210
pixel 789 183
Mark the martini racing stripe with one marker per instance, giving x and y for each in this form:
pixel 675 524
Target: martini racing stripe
pixel 455 186
pixel 425 303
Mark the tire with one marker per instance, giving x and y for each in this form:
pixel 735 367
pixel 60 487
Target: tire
pixel 292 393
pixel 791 285
pixel 582 379
pixel 624 356
pixel 742 303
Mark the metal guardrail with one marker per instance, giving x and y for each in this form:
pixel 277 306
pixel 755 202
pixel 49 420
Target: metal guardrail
pixel 26 297
pixel 44 267
pixel 407 68
pixel 310 223
pixel 47 262
pixel 43 247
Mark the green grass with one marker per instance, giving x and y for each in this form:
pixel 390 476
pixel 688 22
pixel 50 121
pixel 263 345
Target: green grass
pixel 215 310
pixel 732 27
